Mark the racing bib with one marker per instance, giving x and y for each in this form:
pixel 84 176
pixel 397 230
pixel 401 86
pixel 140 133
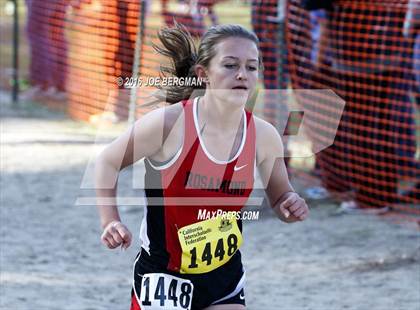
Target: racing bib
pixel 208 244
pixel 163 291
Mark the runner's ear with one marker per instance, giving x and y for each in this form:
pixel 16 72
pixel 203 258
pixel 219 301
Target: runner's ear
pixel 200 71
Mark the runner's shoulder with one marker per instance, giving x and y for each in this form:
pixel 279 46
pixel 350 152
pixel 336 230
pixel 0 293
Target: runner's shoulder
pixel 268 140
pixel 159 129
pixel 158 115
pixel 265 132
pixel 154 120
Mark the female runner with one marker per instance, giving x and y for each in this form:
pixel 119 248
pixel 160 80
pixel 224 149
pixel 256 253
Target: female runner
pixel 200 152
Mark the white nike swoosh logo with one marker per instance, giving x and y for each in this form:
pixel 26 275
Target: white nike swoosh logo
pixel 242 296
pixel 238 168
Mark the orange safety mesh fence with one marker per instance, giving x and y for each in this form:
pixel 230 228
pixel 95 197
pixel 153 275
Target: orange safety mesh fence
pixel 101 39
pixel 90 43
pixel 368 53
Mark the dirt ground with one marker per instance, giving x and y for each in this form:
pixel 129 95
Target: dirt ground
pixel 51 256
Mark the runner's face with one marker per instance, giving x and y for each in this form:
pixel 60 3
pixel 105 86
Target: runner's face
pixel 233 71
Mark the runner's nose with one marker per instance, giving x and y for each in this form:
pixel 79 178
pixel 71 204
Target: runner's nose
pixel 241 74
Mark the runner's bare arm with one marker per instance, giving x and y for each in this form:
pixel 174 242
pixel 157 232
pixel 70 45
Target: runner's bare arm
pixel 146 138
pixel 143 139
pixel 287 204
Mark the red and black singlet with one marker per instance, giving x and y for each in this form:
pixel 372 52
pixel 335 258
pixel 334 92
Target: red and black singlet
pixel 191 181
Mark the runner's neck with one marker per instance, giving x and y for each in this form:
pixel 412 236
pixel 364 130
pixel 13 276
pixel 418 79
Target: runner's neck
pixel 219 115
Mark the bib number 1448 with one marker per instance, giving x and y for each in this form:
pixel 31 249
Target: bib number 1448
pixel 163 291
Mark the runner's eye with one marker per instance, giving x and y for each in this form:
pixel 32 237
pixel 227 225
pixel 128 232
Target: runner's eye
pixel 252 68
pixel 230 66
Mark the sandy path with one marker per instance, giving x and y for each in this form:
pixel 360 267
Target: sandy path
pixel 51 257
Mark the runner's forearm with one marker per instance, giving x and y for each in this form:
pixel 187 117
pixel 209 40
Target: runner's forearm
pixel 108 211
pixel 106 178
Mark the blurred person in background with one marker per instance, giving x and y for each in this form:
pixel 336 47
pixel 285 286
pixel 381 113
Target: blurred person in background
pixel 57 48
pixel 48 48
pixel 320 66
pixel 127 18
pixel 268 22
pixel 206 8
pixel 112 28
pixel 412 33
pixel 186 14
pixel 376 137
pixel 36 30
